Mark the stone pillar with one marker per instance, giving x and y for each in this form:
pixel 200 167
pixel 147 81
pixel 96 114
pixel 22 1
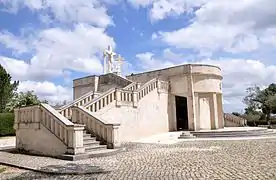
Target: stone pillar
pixel 113 138
pixel 96 83
pixel 197 111
pixel 135 99
pixel 75 139
pixel 191 100
pixel 75 115
pixel 220 111
pixel 214 112
pixel 118 97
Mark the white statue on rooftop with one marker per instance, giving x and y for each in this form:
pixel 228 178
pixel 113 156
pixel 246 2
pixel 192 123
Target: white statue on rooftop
pixel 112 61
pixel 119 62
pixel 109 54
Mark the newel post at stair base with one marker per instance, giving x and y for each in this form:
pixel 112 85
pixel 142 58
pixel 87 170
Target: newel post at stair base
pixel 118 97
pixel 75 114
pixel 135 99
pixel 113 140
pixel 16 118
pixel 75 139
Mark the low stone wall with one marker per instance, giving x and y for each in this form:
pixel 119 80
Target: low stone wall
pixel 42 130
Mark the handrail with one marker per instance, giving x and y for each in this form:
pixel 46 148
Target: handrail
pixel 110 91
pixel 234 119
pixel 66 131
pixel 61 118
pixel 133 86
pixel 107 133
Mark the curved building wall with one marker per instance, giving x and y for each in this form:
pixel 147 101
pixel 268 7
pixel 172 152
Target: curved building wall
pixel 200 84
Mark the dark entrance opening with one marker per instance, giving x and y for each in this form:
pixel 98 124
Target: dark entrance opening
pixel 181 113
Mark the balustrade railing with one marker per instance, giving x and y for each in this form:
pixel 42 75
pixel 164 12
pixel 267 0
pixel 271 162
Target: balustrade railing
pixel 101 101
pixel 107 133
pixel 66 109
pixel 235 119
pixel 132 87
pixel 69 133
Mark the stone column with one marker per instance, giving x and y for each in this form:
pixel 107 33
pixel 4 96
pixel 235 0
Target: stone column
pixel 74 114
pixel 197 111
pixel 220 111
pixel 96 83
pixel 75 139
pixel 191 100
pixel 214 112
pixel 118 98
pixel 113 138
pixel 135 99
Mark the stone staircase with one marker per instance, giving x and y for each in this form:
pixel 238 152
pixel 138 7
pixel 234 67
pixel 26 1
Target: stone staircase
pixel 67 127
pixel 93 148
pixel 254 132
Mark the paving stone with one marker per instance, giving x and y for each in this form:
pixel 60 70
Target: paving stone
pixel 241 159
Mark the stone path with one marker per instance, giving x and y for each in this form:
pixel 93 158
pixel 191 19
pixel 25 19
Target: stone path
pixel 236 159
pixel 7 142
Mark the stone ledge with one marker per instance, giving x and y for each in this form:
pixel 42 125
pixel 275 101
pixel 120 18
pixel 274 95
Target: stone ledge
pixel 92 154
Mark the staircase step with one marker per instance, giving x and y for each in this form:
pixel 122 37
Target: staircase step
pixel 86 138
pixel 87 135
pixel 90 142
pixel 90 154
pixel 89 148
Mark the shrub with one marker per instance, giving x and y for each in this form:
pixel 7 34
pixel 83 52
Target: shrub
pixel 6 124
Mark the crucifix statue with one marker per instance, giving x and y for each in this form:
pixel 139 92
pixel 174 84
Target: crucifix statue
pixel 110 61
pixel 119 63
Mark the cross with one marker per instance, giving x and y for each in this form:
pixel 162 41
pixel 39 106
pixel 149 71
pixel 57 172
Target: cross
pixel 109 54
pixel 119 60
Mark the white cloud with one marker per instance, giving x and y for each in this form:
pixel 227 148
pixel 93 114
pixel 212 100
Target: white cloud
pixel 18 69
pixel 238 74
pixel 58 49
pixel 66 11
pixel 219 25
pixel 47 91
pixel 148 62
pixel 13 42
pixel 75 43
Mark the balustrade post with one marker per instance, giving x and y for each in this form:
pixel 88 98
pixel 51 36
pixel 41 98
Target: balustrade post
pixel 74 114
pixel 16 118
pixel 159 86
pixel 113 138
pixel 135 99
pixel 75 139
pixel 118 98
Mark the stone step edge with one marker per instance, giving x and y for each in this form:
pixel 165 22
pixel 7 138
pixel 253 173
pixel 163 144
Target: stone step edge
pixel 90 154
pixel 236 135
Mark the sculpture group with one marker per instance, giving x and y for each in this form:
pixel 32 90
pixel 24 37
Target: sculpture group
pixel 112 62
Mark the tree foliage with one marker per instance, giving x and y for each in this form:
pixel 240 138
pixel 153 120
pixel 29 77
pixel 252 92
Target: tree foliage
pixel 261 103
pixel 7 88
pixel 23 99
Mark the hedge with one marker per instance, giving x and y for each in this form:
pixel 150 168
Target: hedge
pixel 6 124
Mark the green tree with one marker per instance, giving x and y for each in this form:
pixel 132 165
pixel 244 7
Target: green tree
pixel 7 88
pixel 264 100
pixel 23 99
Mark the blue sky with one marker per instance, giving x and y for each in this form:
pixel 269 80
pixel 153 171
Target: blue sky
pixel 45 44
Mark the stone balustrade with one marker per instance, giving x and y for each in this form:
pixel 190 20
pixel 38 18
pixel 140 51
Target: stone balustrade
pixel 70 134
pixel 146 88
pixel 101 101
pixel 133 86
pixel 235 119
pixel 66 110
pixel 106 133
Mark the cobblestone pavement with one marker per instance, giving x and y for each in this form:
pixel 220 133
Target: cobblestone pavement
pixel 206 160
